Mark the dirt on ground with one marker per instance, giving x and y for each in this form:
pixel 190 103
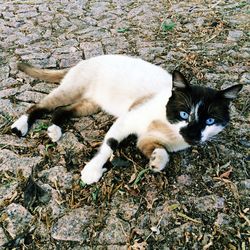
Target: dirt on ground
pixel 201 200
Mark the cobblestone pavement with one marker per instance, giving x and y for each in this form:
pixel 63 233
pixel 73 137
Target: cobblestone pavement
pixel 201 202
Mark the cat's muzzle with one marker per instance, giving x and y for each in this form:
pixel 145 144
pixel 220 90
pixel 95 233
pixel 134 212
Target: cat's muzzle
pixel 191 140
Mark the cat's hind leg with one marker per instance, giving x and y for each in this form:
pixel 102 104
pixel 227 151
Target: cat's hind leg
pixel 82 108
pixel 22 125
pixel 58 97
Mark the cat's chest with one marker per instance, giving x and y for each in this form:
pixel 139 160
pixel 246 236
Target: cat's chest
pixel 167 134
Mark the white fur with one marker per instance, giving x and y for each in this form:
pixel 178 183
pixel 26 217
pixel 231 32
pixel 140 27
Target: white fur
pixel 21 124
pixel 54 133
pixel 179 143
pixel 121 79
pixel 196 110
pixel 210 131
pixel 158 159
pixel 92 172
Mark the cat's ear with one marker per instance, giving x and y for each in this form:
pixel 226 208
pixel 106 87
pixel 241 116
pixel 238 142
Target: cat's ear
pixel 179 80
pixel 231 92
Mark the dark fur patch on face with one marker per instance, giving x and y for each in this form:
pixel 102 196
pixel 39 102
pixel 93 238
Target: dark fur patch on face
pixel 112 143
pixel 200 104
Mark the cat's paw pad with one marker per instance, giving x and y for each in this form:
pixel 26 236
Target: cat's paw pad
pixel 91 174
pixel 158 159
pixel 20 126
pixel 54 133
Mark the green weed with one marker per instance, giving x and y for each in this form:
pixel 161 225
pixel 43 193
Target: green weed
pixel 167 26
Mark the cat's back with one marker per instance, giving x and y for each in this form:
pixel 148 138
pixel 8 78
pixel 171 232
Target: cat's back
pixel 122 72
pixel 123 63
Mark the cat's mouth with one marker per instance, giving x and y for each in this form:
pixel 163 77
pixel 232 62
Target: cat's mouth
pixel 188 139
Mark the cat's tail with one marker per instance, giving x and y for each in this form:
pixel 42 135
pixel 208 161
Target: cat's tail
pixel 50 75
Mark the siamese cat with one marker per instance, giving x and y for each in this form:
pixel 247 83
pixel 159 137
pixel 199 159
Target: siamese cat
pixel 165 112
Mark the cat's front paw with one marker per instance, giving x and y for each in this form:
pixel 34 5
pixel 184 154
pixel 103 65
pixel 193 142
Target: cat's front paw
pixel 91 174
pixel 20 126
pixel 54 133
pixel 158 159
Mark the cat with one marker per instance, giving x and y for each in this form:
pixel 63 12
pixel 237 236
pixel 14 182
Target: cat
pixel 164 110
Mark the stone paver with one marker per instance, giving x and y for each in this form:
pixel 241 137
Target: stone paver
pixel 17 220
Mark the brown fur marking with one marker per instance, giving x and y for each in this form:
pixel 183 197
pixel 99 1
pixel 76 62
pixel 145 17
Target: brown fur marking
pixel 148 143
pixel 83 107
pixel 140 101
pixel 157 136
pixel 162 127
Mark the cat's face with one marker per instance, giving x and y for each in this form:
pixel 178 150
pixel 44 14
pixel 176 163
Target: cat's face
pixel 200 112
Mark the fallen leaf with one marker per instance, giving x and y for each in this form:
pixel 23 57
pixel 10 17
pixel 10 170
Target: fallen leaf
pixel 140 176
pixel 155 230
pixel 138 245
pixel 132 178
pixel 150 199
pixel 227 173
pixel 33 193
pixel 173 207
pixel 120 162
pixel 167 26
pixel 122 30
pixel 188 218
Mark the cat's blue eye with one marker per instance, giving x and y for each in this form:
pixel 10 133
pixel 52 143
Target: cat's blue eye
pixel 210 121
pixel 184 115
